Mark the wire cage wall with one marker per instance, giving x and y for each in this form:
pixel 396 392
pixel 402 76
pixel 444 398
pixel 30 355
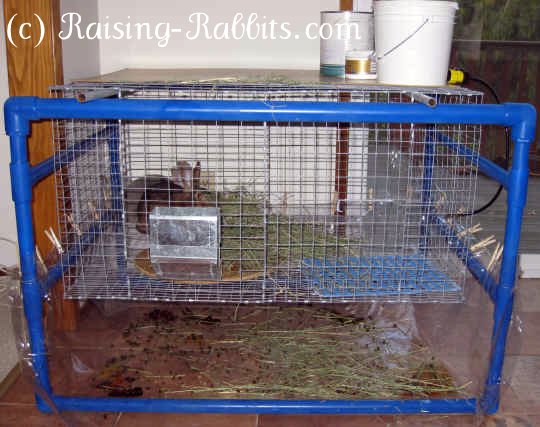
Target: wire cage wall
pixel 307 211
pixel 386 206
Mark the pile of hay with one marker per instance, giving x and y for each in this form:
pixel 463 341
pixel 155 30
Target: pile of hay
pixel 277 352
pixel 289 239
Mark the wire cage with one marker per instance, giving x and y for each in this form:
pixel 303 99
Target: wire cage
pixel 307 211
pixel 229 191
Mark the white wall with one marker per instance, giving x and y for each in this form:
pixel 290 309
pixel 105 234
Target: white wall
pixel 80 57
pixel 301 53
pixel 8 252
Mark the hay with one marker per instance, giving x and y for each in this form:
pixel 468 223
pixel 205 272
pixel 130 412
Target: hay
pixel 271 352
pixel 289 239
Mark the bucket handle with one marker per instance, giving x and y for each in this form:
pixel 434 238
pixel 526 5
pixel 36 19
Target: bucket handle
pixel 406 39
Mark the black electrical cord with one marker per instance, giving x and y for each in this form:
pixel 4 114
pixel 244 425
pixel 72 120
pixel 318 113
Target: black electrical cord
pixel 507 147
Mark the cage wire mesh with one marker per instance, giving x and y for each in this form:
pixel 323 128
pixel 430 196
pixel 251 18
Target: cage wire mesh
pixel 307 212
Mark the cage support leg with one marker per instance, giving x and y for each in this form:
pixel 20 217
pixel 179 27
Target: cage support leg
pixel 31 288
pixel 517 192
pixel 342 167
pixel 117 204
pixel 429 157
pixel 116 177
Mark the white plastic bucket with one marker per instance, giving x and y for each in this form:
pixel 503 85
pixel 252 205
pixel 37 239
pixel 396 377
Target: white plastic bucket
pixel 413 39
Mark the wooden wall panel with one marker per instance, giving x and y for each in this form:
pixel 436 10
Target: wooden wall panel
pixel 31 71
pixel 345 4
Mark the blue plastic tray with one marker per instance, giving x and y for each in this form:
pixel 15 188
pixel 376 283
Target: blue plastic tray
pixel 377 276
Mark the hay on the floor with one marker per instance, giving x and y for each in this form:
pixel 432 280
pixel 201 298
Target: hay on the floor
pixel 269 352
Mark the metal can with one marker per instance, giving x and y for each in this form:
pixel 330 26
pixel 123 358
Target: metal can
pixel 340 32
pixel 358 65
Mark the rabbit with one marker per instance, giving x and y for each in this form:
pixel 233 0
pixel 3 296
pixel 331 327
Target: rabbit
pixel 182 189
pixel 135 190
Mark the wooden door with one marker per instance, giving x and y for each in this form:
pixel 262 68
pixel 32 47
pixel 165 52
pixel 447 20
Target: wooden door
pixel 31 71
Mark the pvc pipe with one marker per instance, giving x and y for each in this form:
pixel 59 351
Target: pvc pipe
pixel 239 406
pixel 521 117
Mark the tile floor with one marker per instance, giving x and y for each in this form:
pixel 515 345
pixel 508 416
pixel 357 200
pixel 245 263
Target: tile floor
pixel 7 343
pixel 520 404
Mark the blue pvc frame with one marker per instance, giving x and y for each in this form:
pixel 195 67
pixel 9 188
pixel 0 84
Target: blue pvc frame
pixel 521 118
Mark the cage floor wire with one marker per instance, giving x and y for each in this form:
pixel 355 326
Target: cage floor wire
pixel 365 278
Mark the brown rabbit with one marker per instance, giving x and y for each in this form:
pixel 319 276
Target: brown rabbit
pixel 183 189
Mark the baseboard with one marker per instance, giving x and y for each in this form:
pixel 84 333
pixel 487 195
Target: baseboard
pixel 529 266
pixel 9 380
